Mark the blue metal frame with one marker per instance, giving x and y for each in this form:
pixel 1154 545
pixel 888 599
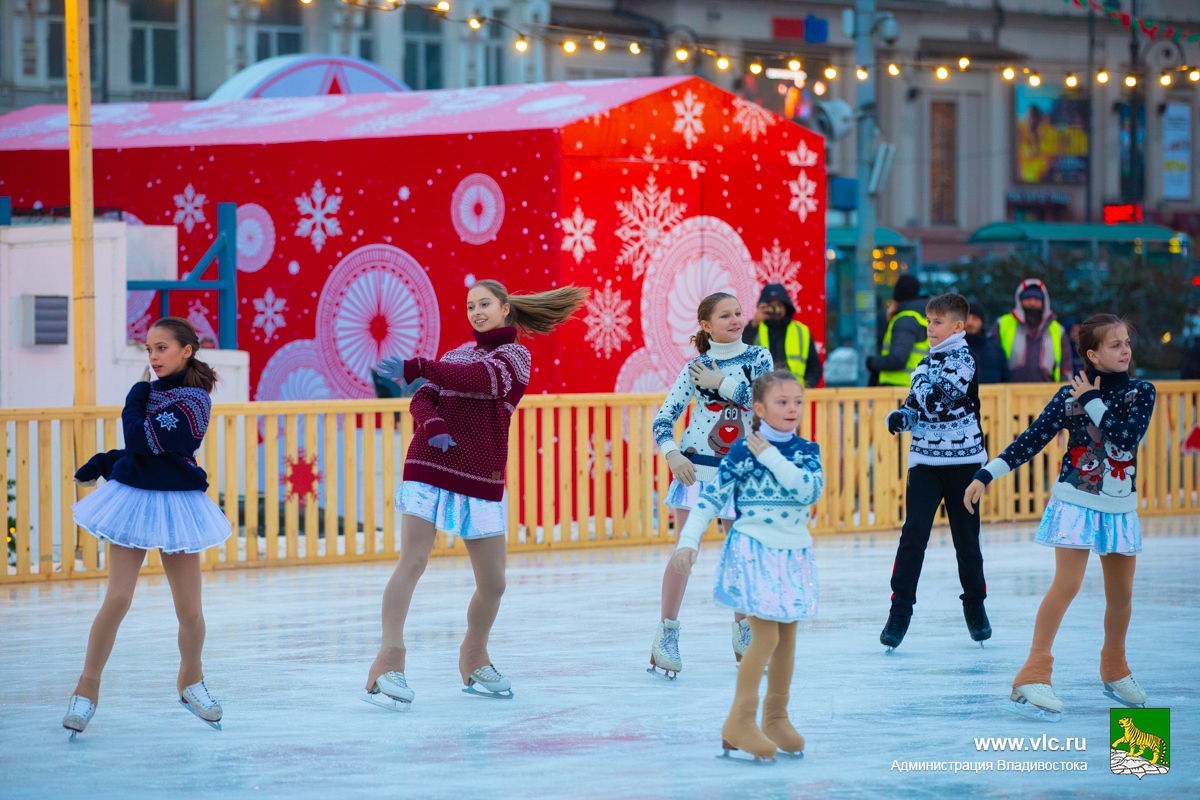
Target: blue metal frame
pixel 224 251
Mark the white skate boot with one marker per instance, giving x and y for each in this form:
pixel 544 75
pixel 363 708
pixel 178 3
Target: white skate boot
pixel 664 653
pixel 741 639
pixel 197 700
pixel 79 714
pixel 390 691
pixel 489 678
pixel 1037 701
pixel 1127 692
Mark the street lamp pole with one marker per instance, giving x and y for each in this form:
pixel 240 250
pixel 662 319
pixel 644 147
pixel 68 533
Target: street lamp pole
pixel 864 275
pixel 83 283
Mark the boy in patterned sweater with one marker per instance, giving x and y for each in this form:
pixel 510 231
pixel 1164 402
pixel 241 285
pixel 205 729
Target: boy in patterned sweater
pixel 942 411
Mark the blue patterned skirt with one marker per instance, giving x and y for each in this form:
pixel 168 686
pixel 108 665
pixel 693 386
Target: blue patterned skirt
pixel 1068 525
pixel 456 514
pixel 685 498
pixel 763 582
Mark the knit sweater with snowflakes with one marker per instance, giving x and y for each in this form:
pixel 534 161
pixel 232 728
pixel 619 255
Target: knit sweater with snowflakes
pixel 471 394
pixel 164 423
pixel 772 493
pixel 942 407
pixel 722 415
pixel 1104 427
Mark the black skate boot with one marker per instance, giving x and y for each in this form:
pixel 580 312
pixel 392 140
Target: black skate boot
pixel 977 621
pixel 894 630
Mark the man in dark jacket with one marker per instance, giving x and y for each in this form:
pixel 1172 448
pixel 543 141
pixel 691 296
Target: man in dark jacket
pixel 906 341
pixel 789 340
pixel 991 366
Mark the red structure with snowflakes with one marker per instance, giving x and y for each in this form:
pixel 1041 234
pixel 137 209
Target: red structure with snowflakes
pixel 363 218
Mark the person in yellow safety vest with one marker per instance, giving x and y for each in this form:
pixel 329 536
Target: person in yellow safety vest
pixel 789 340
pixel 906 341
pixel 1035 343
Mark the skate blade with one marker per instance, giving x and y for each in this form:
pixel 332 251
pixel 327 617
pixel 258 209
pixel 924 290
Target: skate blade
pixel 507 694
pixel 73 734
pixel 890 649
pixel 385 701
pixel 214 724
pixel 981 647
pixel 1113 695
pixel 666 674
pixel 744 757
pixel 1028 709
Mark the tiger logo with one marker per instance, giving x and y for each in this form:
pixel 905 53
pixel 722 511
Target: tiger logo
pixel 1139 742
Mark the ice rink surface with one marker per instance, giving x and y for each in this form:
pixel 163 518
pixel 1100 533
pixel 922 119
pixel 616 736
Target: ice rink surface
pixel 288 651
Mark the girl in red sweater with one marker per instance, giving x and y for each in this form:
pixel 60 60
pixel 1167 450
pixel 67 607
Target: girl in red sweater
pixel 454 473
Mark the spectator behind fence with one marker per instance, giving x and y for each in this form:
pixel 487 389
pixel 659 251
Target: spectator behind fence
pixel 1034 342
pixel 906 341
pixel 991 366
pixel 789 340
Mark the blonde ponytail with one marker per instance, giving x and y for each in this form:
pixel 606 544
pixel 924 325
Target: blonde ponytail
pixel 538 313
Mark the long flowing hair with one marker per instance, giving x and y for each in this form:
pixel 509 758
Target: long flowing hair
pixel 540 313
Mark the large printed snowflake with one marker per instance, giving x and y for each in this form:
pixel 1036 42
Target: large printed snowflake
pixel 687 118
pixel 804 196
pixel 189 208
pixel 802 156
pixel 577 234
pixel 753 118
pixel 198 316
pixel 607 320
pixel 645 220
pixel 268 313
pixel 318 215
pixel 777 267
pixel 167 421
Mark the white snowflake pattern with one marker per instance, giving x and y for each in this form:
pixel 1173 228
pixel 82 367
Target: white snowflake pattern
pixel 577 234
pixel 189 208
pixel 198 316
pixel 777 267
pixel 645 220
pixel 802 156
pixel 167 420
pixel 269 313
pixel 318 215
pixel 687 118
pixel 804 196
pixel 607 321
pixel 753 118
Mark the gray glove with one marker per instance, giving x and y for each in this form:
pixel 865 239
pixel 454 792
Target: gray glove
pixel 442 441
pixel 392 368
pixel 705 377
pixel 683 469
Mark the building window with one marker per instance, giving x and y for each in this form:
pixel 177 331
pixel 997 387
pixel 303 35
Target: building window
pixel 495 52
pixel 942 176
pixel 366 43
pixel 279 30
pixel 153 43
pixel 422 48
pixel 56 42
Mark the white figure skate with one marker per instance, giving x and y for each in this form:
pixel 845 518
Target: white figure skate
pixel 490 679
pixel 1127 692
pixel 664 653
pixel 79 714
pixel 197 700
pixel 1036 701
pixel 741 639
pixel 391 692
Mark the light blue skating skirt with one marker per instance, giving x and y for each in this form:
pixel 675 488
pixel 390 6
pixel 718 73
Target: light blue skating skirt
pixel 456 514
pixel 1068 525
pixel 763 582
pixel 685 497
pixel 174 522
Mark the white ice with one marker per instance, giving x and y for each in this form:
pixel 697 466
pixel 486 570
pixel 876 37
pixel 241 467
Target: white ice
pixel 288 651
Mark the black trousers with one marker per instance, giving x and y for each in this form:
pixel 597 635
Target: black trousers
pixel 927 487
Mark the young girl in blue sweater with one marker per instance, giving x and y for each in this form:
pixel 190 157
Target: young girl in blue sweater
pixel 154 497
pixel 718 379
pixel 766 570
pixel 1093 506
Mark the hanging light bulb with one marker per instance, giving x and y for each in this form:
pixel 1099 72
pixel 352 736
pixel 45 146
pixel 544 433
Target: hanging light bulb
pixel 1009 73
pixel 474 23
pixel 569 46
pixel 830 73
pixel 794 64
pixel 964 62
pixel 1071 80
pixel 1035 79
pixel 861 73
pixel 1165 79
pixel 443 6
pixel 634 48
pixel 818 88
pixel 942 73
pixel 756 68
pixel 1131 81
pixel 722 63
pixel 893 69
pixel 681 54
pixel 599 45
pixel 521 45
pixel 1101 77
pixel 1194 75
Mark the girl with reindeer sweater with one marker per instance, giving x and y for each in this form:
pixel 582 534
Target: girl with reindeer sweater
pixel 719 380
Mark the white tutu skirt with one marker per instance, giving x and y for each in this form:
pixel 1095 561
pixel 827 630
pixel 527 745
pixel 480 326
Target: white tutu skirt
pixel 456 514
pixel 685 497
pixel 174 522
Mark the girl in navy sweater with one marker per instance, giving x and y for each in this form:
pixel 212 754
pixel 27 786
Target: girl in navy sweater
pixel 154 497
pixel 1093 506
